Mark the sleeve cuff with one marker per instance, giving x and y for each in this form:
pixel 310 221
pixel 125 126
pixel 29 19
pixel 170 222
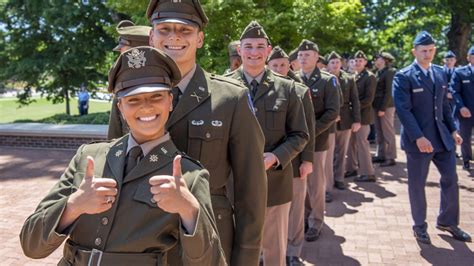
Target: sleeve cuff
pixel 307 156
pixel 193 232
pixel 196 243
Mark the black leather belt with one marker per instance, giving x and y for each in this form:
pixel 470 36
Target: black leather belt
pixel 76 255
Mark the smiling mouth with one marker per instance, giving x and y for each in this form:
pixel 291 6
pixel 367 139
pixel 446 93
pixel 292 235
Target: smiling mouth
pixel 175 47
pixel 147 118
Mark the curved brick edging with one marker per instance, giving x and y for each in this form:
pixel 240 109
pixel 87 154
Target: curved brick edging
pixel 37 135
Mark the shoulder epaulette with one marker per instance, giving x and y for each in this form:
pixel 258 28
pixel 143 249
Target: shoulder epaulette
pixel 226 78
pixel 196 162
pixel 405 69
pixel 102 141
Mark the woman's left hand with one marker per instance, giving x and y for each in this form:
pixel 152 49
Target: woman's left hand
pixel 172 195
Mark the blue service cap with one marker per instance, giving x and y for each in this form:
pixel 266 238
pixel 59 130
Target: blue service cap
pixel 449 54
pixel 423 38
pixel 471 51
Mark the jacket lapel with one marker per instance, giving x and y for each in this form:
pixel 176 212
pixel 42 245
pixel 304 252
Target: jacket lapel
pixel 116 158
pixel 315 76
pixel 196 94
pixel 427 83
pixel 159 157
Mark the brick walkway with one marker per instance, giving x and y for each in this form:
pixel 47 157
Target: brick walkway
pixel 368 224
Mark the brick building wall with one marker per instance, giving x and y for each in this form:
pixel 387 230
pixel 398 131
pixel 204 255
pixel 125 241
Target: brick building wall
pixel 46 142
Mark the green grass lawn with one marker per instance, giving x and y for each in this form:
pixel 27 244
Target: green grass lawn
pixel 42 109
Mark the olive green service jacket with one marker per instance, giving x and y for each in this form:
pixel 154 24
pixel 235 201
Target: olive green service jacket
pixel 350 109
pixel 326 103
pixel 366 83
pixel 383 93
pixel 213 123
pixel 280 112
pixel 134 231
pixel 307 154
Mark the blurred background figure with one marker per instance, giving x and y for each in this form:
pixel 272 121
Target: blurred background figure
pixel 234 58
pixel 83 103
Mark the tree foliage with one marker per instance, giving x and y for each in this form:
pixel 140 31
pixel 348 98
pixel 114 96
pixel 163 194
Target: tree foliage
pixel 55 45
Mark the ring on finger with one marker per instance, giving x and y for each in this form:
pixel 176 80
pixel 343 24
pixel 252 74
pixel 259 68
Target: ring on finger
pixel 109 200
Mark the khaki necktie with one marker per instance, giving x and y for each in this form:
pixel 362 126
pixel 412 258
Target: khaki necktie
pixel 134 156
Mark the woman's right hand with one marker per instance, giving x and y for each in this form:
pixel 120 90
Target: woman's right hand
pixel 95 195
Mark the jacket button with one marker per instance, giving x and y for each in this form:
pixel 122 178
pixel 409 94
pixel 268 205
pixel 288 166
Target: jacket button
pixel 208 135
pixel 256 109
pixel 105 220
pixel 219 216
pixel 98 241
pixel 152 200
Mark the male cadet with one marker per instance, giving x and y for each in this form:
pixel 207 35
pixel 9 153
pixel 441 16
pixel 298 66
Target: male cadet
pixel 384 111
pixel 349 120
pixel 428 134
pixel 207 124
pixel 358 157
pixel 280 113
pixel 462 86
pixel 325 96
pixel 234 58
pixel 302 165
pixel 130 36
pixel 322 63
pixel 294 62
pixel 449 61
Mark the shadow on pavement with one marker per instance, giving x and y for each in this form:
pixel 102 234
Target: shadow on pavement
pixel 460 255
pixel 342 199
pixel 327 250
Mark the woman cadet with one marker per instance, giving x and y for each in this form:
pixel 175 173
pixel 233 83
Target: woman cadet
pixel 130 201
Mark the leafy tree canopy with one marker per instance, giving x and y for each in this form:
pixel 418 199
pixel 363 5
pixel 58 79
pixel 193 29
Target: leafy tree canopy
pixel 55 45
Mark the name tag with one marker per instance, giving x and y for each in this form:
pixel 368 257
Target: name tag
pixel 418 90
pixel 466 81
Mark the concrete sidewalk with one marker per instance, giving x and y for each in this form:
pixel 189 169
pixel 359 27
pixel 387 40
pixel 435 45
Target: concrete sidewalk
pixel 368 224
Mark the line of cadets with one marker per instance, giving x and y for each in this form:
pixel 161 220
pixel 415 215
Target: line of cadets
pixel 340 106
pixel 312 114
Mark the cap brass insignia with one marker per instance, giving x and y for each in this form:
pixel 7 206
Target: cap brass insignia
pixel 136 59
pixel 153 158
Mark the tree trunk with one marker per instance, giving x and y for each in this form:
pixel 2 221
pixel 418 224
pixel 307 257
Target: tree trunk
pixel 66 95
pixel 459 33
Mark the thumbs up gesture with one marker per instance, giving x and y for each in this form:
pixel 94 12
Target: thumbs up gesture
pixel 172 195
pixel 95 195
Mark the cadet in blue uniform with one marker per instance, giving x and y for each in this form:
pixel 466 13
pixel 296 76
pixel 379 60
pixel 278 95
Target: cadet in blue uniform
pixel 449 61
pixel 428 134
pixel 462 86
